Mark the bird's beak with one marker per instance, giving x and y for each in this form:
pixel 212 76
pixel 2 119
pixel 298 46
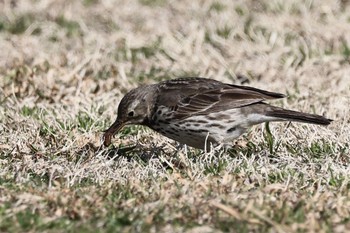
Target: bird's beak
pixel 109 133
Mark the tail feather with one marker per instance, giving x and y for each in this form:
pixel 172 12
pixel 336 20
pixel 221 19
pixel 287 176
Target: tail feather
pixel 298 116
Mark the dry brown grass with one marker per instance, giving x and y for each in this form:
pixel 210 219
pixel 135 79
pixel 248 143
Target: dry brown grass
pixel 64 66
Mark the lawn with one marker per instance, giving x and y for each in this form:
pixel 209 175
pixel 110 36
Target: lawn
pixel 65 65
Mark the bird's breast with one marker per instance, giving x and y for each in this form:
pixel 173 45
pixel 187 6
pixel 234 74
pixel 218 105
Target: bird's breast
pixel 199 130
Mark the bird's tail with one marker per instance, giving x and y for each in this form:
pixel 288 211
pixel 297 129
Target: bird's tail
pixel 291 115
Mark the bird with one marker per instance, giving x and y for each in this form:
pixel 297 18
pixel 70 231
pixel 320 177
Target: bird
pixel 201 112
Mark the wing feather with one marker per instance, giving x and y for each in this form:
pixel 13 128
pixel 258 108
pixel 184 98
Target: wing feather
pixel 199 96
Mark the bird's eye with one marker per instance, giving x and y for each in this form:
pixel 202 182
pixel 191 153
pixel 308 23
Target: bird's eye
pixel 131 114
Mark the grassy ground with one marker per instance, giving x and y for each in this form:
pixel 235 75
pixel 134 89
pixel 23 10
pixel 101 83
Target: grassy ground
pixel 64 66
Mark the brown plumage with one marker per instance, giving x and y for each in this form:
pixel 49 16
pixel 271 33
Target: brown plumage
pixel 199 112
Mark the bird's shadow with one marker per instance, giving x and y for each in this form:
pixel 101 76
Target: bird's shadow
pixel 144 154
pixel 134 152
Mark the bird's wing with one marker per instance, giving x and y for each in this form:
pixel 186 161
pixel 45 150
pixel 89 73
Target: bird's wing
pixel 198 96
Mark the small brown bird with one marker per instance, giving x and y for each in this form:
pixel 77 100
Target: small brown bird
pixel 199 112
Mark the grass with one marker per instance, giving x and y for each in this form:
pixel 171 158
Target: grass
pixel 65 66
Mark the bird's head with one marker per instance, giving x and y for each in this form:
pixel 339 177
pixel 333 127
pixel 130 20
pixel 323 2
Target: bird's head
pixel 135 108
